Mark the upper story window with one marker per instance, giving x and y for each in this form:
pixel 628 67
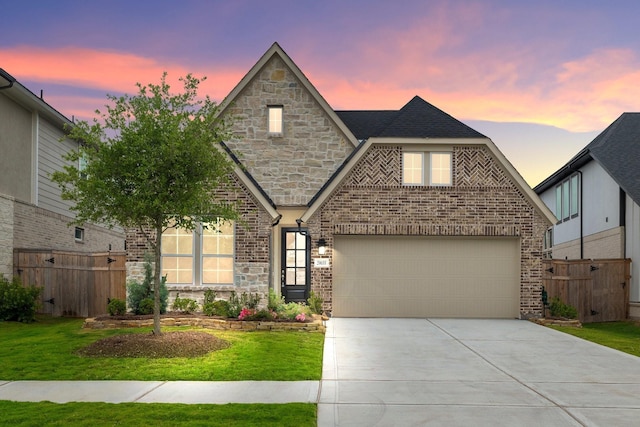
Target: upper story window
pixel 275 119
pixel 432 168
pixel 568 198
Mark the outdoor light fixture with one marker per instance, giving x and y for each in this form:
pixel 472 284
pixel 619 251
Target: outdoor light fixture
pixel 322 246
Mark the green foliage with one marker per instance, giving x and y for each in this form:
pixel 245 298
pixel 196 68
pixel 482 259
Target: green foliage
pixel 185 305
pixel 291 310
pixel 117 307
pixel 137 292
pixel 217 308
pixel 145 306
pixel 151 162
pixel 236 304
pixel 315 303
pixel 274 301
pixel 559 309
pixel 17 302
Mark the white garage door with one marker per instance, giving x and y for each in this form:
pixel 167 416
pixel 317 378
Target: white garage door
pixel 400 276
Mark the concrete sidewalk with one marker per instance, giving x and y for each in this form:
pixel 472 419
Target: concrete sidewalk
pixel 214 392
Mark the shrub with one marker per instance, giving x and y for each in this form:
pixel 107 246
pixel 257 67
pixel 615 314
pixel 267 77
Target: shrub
pixel 315 303
pixel 559 309
pixel 217 308
pixel 292 309
pixel 137 292
pixel 274 302
pixel 145 306
pixel 18 302
pixel 250 301
pixel 117 307
pixel 185 305
pixel 235 305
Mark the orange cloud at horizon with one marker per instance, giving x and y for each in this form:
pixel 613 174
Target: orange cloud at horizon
pixel 584 94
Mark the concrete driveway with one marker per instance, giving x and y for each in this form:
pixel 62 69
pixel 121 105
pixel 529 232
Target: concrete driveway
pixel 463 372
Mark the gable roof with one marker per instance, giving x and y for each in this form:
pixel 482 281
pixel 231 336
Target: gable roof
pixel 617 151
pixel 17 92
pixel 350 163
pixel 276 50
pixel 417 119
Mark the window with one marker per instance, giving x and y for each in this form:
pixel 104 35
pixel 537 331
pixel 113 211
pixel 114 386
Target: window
pixel 82 166
pixel 440 169
pixel 412 167
pixel 275 119
pixel 439 166
pixel 547 243
pixel 202 256
pixel 568 198
pixel 79 234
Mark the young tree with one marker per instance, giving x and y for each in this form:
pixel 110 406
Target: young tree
pixel 151 162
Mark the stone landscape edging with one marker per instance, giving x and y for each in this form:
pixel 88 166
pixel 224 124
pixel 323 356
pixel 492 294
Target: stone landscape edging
pixel 317 325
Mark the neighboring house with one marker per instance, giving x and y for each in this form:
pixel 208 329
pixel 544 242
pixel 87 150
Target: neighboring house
pixel 404 213
pixel 596 198
pixel 32 214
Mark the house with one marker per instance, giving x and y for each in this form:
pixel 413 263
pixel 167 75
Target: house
pixel 33 215
pixel 596 198
pixel 403 213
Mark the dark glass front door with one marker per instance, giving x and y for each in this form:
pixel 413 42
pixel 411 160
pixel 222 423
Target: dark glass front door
pixel 295 275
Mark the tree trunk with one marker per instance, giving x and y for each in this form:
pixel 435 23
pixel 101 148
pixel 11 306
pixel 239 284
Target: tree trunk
pixel 156 282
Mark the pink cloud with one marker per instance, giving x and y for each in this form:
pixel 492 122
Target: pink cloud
pixel 108 71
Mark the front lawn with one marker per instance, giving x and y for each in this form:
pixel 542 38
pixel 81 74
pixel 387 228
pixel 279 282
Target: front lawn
pixel 159 415
pixel 623 336
pixel 45 350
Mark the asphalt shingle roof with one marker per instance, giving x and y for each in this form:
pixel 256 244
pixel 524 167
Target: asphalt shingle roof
pixel 417 119
pixel 617 150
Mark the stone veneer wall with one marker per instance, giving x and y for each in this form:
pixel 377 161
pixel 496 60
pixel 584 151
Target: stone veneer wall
pixel 251 258
pixel 291 168
pixel 6 236
pixel 481 202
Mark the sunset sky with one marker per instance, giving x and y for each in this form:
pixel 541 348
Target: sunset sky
pixel 540 78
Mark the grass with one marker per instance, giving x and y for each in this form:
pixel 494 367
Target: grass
pixel 159 415
pixel 45 351
pixel 623 336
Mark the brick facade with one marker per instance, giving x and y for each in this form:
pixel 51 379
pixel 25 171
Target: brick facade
pixel 293 167
pixel 37 228
pixel 251 257
pixel 481 202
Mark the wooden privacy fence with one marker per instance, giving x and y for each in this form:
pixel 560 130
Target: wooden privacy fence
pixel 74 284
pixel 598 289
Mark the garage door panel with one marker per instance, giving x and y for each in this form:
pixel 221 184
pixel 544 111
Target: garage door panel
pixel 400 276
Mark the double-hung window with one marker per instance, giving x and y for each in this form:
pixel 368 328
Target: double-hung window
pixel 568 198
pixel 200 257
pixel 427 168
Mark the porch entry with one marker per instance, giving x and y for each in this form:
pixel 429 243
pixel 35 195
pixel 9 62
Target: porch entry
pixel 295 275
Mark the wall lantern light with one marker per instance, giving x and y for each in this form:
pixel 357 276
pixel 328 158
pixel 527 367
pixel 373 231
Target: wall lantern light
pixel 322 246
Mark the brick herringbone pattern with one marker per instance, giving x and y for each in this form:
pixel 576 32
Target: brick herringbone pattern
pixel 378 168
pixel 475 167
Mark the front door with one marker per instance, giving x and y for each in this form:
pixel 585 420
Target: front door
pixel 295 275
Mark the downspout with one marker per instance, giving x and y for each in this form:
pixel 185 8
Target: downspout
pixel 273 224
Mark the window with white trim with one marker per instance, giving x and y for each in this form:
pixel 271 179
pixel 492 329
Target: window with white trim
pixel 203 256
pixel 568 198
pixel 275 119
pixel 416 164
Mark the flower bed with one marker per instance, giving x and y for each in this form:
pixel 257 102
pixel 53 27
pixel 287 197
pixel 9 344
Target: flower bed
pixel 316 325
